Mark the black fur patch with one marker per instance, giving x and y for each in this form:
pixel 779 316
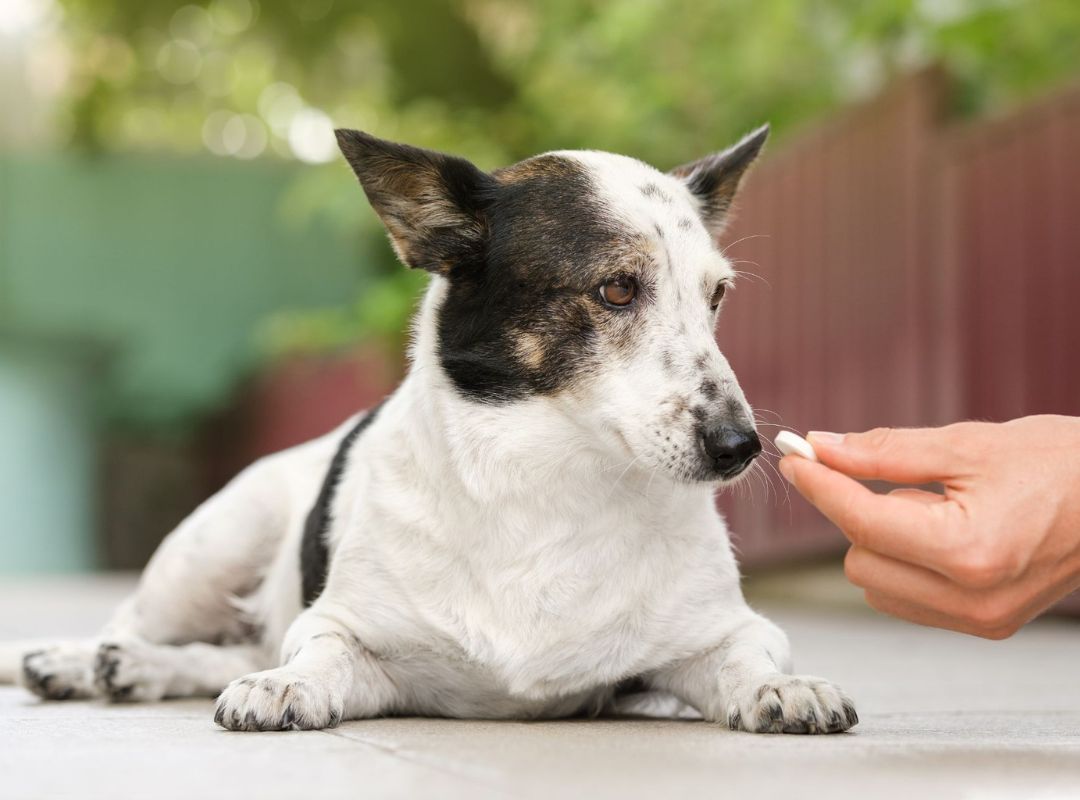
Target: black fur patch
pixel 314 552
pixel 654 192
pixel 526 318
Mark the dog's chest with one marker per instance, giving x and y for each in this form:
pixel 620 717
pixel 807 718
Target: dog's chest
pixel 536 606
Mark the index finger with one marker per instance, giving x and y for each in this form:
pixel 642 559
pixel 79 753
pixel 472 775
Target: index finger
pixel 899 455
pixel 893 525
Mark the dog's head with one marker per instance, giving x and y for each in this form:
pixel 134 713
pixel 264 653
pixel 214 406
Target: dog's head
pixel 588 279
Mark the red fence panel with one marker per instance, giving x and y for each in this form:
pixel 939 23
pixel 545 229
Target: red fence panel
pixel 912 274
pixel 1015 187
pixel 296 400
pixel 834 334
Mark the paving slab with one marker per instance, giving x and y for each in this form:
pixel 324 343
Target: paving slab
pixel 942 715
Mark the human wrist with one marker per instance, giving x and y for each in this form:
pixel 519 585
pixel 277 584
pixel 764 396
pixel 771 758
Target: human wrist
pixel 1068 516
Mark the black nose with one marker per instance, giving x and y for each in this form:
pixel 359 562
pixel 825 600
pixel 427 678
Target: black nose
pixel 730 449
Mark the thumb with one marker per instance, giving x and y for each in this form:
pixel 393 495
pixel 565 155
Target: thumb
pixel 898 455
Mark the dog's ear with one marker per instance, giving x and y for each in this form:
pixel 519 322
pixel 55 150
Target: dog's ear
pixel 714 179
pixel 431 204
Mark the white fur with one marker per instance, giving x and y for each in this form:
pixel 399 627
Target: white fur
pixel 488 560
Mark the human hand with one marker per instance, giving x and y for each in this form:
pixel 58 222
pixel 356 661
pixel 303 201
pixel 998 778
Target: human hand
pixel 998 547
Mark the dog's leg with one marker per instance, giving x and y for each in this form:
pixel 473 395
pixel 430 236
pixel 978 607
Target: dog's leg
pixel 744 683
pixel 328 676
pixel 186 595
pixel 124 666
pixel 188 591
pixel 136 670
pixel 132 669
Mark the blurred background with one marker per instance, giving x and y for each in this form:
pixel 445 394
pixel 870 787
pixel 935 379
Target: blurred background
pixel 190 276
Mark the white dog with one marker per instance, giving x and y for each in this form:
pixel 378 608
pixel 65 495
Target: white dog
pixel 526 527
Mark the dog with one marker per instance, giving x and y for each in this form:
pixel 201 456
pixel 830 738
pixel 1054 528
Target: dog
pixel 526 527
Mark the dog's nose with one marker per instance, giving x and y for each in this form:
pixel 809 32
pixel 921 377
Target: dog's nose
pixel 730 449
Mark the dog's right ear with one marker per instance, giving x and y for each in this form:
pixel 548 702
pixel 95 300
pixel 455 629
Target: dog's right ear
pixel 433 205
pixel 714 180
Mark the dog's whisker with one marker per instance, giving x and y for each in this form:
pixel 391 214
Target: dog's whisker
pixel 760 479
pixel 622 474
pixel 617 465
pixel 767 411
pixel 740 488
pixel 649 484
pixel 769 449
pixel 782 481
pixel 767 478
pixel 767 424
pixel 755 476
pixel 752 275
pixel 727 247
pixel 763 422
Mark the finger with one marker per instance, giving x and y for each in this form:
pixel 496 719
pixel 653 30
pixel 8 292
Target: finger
pixel 991 613
pixel 912 584
pixel 899 455
pixel 920 615
pixel 895 526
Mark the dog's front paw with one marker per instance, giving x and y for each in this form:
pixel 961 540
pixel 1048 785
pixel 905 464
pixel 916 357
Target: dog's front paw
pixel 60 672
pixel 792 704
pixel 277 700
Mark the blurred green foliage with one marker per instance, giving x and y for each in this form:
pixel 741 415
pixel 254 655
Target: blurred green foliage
pixel 498 80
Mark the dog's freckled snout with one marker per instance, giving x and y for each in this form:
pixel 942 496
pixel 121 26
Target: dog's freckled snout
pixel 730 449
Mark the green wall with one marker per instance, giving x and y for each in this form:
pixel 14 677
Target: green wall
pixel 130 292
pixel 48 459
pixel 171 263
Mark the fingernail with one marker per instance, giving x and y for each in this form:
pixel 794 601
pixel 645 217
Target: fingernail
pixel 785 468
pixel 825 437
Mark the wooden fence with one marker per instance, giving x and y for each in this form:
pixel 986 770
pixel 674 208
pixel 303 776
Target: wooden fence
pixel 912 272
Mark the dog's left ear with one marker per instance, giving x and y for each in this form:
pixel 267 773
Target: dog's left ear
pixel 713 180
pixel 432 204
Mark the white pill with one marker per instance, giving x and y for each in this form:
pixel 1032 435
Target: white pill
pixel 791 444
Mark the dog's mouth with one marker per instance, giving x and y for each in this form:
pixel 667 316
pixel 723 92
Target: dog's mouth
pixel 699 471
pixel 708 474
pixel 735 472
pixel 727 476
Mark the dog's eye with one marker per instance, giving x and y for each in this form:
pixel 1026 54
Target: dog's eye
pixel 717 296
pixel 619 291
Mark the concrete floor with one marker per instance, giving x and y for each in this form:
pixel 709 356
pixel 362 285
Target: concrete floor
pixel 942 716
